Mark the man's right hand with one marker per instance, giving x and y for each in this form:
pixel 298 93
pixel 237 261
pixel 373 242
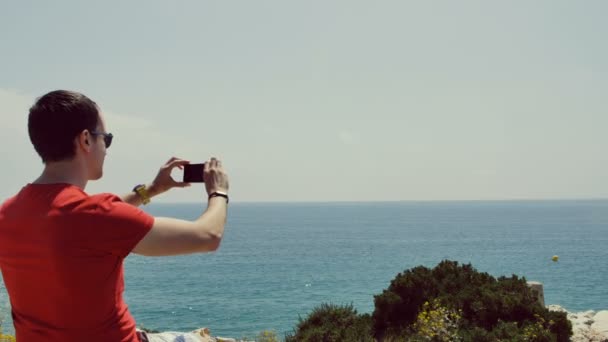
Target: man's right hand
pixel 215 177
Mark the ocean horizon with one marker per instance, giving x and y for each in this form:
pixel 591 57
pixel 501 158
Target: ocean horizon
pixel 279 260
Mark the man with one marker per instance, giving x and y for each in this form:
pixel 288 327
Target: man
pixel 62 250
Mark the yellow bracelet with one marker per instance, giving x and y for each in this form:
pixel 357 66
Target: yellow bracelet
pixel 142 191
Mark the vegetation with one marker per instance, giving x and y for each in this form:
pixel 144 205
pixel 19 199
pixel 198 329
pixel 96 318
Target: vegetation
pixel 333 323
pixel 5 337
pixel 267 336
pixel 450 302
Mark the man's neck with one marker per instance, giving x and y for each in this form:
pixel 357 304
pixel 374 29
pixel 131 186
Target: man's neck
pixel 68 172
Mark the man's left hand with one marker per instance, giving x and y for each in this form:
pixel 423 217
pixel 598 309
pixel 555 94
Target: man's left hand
pixel 163 181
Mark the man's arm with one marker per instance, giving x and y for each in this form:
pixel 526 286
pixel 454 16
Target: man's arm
pixel 170 236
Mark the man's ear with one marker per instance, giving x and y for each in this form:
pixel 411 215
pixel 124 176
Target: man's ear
pixel 84 140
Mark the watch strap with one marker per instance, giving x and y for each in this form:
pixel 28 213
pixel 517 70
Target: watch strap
pixel 219 194
pixel 142 191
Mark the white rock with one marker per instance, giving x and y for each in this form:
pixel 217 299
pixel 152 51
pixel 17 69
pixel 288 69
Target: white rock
pixel 557 308
pixel 589 313
pixel 600 323
pixel 587 326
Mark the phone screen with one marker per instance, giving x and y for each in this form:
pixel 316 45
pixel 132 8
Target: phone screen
pixel 193 173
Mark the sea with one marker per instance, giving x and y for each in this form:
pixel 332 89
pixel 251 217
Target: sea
pixel 278 261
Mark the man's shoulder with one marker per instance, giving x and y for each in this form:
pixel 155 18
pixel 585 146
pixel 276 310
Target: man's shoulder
pixel 104 197
pixel 73 200
pixel 110 205
pixel 104 201
pixel 109 210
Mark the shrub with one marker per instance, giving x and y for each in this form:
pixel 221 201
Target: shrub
pixel 488 309
pixel 436 322
pixel 333 323
pixel 7 338
pixel 266 336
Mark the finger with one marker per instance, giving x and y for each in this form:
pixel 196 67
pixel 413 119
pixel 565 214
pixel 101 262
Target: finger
pixel 182 185
pixel 177 163
pixel 171 159
pixel 213 162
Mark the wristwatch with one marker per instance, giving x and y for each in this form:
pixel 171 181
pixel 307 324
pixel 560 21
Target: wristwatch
pixel 219 194
pixel 142 191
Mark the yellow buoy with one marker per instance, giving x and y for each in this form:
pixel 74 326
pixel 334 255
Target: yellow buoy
pixel 555 258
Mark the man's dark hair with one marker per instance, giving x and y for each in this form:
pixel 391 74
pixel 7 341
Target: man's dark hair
pixel 56 119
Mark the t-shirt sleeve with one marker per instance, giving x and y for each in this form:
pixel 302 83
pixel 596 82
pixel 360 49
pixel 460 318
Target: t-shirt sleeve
pixel 119 226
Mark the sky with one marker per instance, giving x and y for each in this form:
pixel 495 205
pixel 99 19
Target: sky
pixel 323 100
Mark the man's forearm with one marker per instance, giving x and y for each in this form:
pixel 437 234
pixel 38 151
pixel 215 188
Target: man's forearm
pixel 214 218
pixel 135 199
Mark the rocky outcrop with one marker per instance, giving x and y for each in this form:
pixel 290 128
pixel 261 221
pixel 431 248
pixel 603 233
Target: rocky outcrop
pixel 587 326
pixel 198 335
pixel 537 289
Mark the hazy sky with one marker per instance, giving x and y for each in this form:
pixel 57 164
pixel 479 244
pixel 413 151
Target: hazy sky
pixel 324 100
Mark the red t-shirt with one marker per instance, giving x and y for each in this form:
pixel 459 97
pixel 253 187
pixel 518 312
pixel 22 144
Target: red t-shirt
pixel 61 255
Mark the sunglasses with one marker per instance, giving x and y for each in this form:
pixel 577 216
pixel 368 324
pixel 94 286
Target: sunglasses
pixel 107 137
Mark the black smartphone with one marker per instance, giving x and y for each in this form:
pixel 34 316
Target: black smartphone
pixel 193 173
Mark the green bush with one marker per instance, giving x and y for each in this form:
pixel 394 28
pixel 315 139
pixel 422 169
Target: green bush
pixel 488 309
pixel 266 336
pixel 333 323
pixel 435 322
pixel 450 303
